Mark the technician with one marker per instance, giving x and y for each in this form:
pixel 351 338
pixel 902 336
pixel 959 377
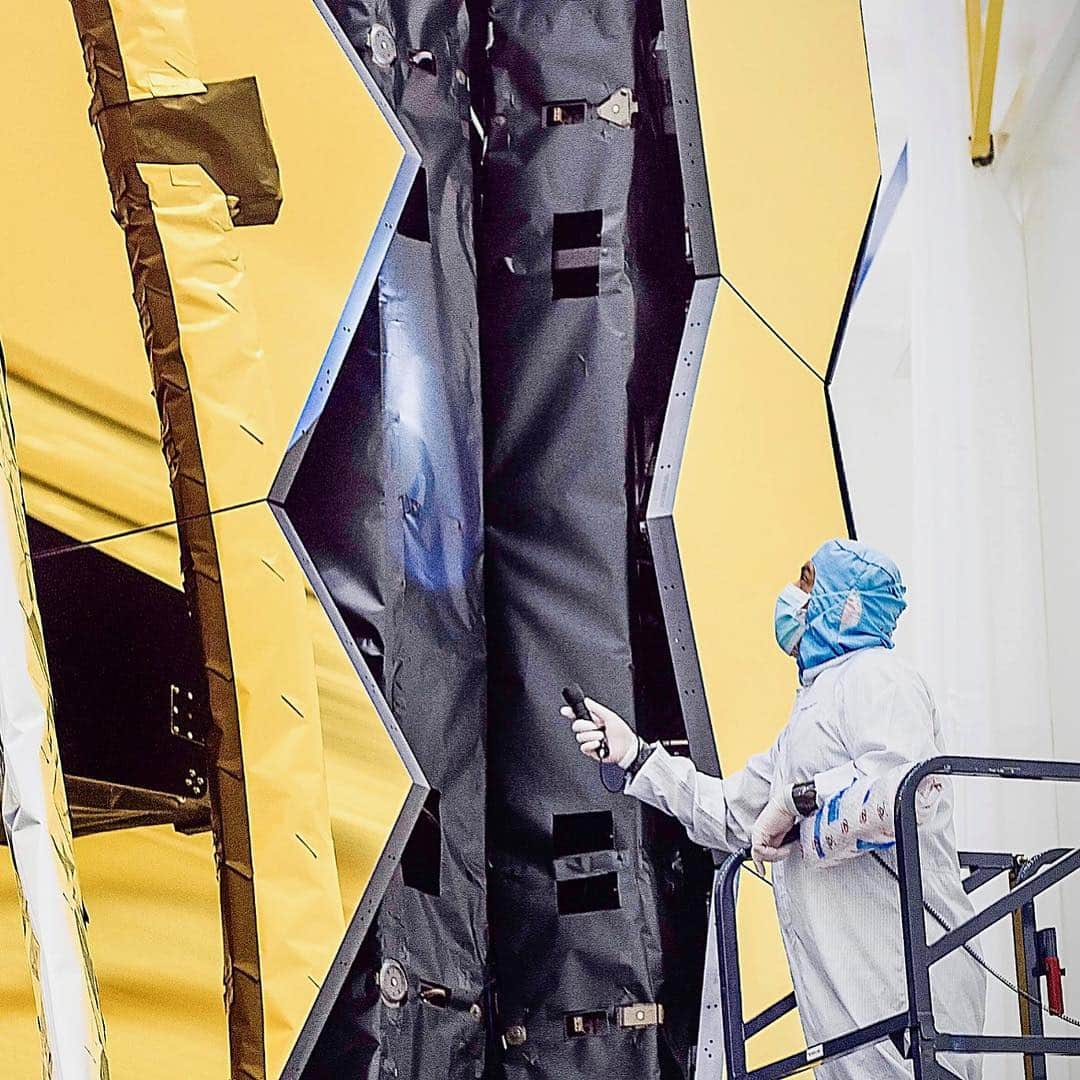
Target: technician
pixel 861 719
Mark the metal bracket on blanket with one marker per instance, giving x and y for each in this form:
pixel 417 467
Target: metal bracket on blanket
pixel 913 1031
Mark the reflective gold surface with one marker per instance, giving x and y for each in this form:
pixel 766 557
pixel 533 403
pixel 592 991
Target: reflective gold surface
pixel 94 468
pixel 757 494
pixel 792 161
pixel 791 152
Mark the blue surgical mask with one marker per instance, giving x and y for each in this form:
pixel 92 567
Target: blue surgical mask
pixel 790 617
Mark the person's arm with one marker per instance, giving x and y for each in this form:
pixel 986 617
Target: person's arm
pixel 887 724
pixel 860 817
pixel 717 813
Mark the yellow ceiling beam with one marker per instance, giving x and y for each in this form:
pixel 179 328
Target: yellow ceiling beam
pixel 984 40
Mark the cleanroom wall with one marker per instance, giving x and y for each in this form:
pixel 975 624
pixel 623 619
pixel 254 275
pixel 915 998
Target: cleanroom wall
pixel 1049 181
pixel 957 401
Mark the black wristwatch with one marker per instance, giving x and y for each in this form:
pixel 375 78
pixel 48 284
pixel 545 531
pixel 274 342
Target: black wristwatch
pixel 804 796
pixel 644 753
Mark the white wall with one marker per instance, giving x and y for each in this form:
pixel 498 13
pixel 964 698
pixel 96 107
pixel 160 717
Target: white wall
pixel 1049 193
pixel 1049 189
pixel 958 400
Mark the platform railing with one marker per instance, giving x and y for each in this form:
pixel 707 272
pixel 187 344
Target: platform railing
pixel 914 1031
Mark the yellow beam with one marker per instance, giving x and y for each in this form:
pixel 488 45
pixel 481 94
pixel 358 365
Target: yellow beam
pixel 973 9
pixel 984 39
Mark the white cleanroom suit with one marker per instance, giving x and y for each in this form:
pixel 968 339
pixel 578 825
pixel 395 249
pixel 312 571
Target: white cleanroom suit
pixel 862 714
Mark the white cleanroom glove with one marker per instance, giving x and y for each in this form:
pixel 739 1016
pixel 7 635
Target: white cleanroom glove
pixel 767 836
pixel 622 741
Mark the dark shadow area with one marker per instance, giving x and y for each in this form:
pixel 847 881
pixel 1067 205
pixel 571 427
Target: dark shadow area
pixel 125 662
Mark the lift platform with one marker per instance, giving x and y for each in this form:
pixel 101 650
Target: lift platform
pixel 914 1031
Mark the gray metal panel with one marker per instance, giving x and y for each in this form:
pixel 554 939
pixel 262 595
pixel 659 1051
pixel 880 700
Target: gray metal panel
pixel 709 1060
pixel 681 399
pixel 698 204
pixel 684 654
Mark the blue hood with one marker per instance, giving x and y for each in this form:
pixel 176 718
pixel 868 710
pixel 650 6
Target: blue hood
pixel 858 596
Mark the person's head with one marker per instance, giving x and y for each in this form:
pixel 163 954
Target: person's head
pixel 848 596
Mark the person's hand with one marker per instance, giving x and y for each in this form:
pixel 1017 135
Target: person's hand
pixel 767 836
pixel 622 741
